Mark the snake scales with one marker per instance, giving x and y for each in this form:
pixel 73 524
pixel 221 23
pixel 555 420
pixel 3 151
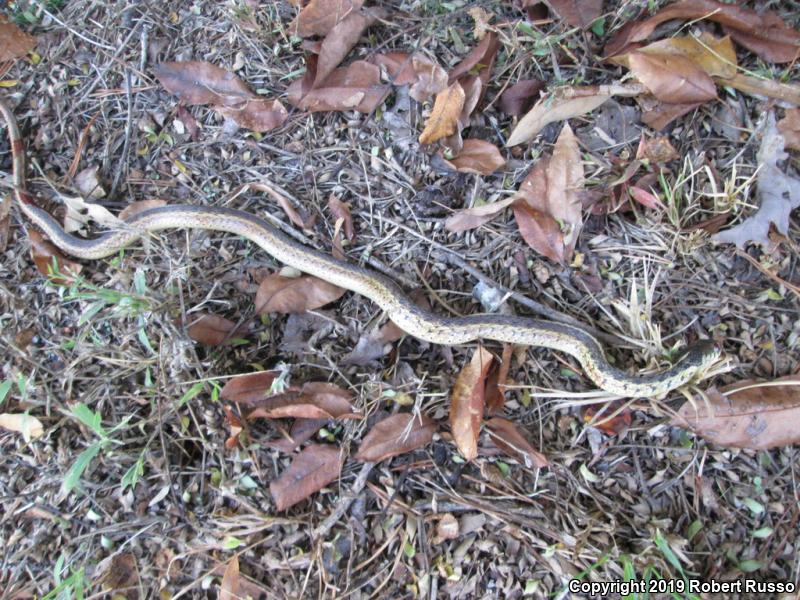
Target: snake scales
pixel 384 292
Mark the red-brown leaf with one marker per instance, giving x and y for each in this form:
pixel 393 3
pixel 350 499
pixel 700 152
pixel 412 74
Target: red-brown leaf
pixel 355 87
pixel 313 400
pixel 644 197
pixel 340 210
pixel 509 439
pixel 236 428
pixel 578 13
pixel 341 39
pixel 496 381
pixel 540 231
pixel 766 34
pixel 14 42
pixel 320 16
pixel 477 156
pixel 311 470
pixel 292 295
pixel 672 78
pixel 608 422
pixel 789 127
pixel 250 388
pixel 395 435
pixel 747 414
pixel 211 330
pixel 479 60
pixel 518 98
pixel 302 431
pixel 425 77
pixel 657 149
pixel 49 260
pixel 467 402
pixel 199 82
pixel 660 114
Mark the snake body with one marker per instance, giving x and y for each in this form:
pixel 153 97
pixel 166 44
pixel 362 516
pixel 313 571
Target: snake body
pixel 383 291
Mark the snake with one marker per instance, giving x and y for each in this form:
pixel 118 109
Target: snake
pixel 383 291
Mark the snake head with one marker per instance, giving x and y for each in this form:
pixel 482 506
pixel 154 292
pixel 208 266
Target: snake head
pixel 701 355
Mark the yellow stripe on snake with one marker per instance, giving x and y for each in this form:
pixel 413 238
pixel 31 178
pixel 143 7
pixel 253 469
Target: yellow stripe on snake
pixel 385 293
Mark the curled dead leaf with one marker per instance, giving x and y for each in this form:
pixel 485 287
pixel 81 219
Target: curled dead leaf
pixel 50 262
pixel 672 78
pixel 443 120
pixel 747 414
pixel 467 402
pixel 318 17
pixel 477 156
pixel 509 439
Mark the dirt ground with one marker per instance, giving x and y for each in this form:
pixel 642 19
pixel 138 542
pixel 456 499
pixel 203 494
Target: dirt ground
pixel 652 503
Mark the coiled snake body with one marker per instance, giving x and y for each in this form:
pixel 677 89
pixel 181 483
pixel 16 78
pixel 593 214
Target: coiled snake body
pixel 385 293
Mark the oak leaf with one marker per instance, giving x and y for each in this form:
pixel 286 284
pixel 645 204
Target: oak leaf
pixel 311 470
pixel 398 434
pixel 292 295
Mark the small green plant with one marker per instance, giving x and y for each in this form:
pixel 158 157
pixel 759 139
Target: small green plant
pixel 93 421
pixel 73 586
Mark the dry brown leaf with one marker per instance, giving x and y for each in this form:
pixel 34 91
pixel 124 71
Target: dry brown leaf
pixel 481 19
pixel 229 586
pixel 614 419
pixel 355 87
pixel 548 210
pixel 496 381
pixel 540 231
pixel 340 210
pixel 672 78
pixel 789 128
pixel 30 427
pixel 80 212
pixel 508 438
pixel 778 193
pixel 446 528
pixel 578 13
pixel 249 388
pixel 134 208
pixel 467 402
pixel 211 330
pixel 292 295
pixel 398 434
pixel 470 218
pixel 88 183
pixel 199 82
pixel 656 149
pixel 747 414
pixel 519 97
pixel 715 56
pixel 645 198
pixel 118 572
pixel 235 426
pixel 477 156
pixel 766 34
pixel 549 110
pixel 425 77
pixel 189 122
pixel 314 400
pixel 14 42
pixel 443 120
pixel 341 39
pixel 658 115
pixel 479 61
pixel 302 431
pixel 50 262
pixel 311 470
pixel 320 16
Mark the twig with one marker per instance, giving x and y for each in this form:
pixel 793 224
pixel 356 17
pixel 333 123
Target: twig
pixel 123 161
pixel 344 503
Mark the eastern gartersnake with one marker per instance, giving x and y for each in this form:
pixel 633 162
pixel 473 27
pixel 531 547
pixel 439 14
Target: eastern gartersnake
pixel 385 293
